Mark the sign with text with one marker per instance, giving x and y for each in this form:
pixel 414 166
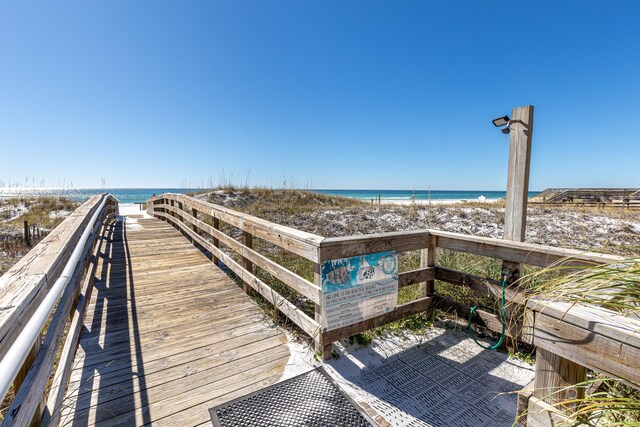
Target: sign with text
pixel 358 288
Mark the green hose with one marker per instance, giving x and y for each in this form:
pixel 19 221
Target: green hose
pixel 503 318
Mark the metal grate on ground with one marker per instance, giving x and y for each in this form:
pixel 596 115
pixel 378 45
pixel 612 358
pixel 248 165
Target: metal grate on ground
pixel 443 381
pixel 310 399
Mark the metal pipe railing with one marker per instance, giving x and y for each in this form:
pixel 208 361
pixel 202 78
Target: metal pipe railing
pixel 19 350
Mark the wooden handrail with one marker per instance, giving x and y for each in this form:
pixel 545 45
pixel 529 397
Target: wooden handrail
pixel 520 252
pixel 310 326
pixel 60 272
pixel 300 284
pixel 23 287
pixel 588 336
pixel 296 241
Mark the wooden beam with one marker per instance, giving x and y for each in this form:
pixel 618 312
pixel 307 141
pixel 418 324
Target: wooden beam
pixel 541 414
pixel 216 242
pixel 323 348
pixel 51 413
pixel 296 241
pixel 248 265
pixel 555 377
pixel 400 312
pixel 29 397
pixel 344 247
pixel 607 345
pixel 25 285
pixel 520 252
pixel 428 260
pixel 412 277
pixel 293 313
pixel 296 282
pixel 515 222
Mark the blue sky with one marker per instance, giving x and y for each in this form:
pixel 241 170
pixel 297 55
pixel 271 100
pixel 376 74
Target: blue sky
pixel 344 94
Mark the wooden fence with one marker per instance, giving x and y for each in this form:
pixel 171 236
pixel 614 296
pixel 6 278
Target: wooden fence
pixel 568 338
pixel 26 289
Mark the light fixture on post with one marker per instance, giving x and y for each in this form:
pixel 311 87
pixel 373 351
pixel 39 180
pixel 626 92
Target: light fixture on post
pixel 503 122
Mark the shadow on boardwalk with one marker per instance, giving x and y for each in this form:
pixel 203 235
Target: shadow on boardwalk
pixel 110 348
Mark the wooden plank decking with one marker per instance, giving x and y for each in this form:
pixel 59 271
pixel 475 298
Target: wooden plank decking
pixel 167 335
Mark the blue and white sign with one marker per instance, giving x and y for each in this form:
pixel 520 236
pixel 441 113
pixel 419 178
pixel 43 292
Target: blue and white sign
pixel 359 288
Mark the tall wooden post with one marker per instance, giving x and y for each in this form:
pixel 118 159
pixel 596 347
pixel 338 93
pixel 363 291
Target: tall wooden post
pixel 515 218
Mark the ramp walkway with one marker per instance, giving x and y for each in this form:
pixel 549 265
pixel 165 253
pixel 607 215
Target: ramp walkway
pixel 167 335
pixel 118 318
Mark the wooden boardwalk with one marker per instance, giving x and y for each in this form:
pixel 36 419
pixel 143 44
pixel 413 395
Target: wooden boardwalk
pixel 167 334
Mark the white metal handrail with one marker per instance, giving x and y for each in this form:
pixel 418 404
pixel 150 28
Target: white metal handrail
pixel 19 350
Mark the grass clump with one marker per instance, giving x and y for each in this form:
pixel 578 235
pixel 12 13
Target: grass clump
pixel 615 287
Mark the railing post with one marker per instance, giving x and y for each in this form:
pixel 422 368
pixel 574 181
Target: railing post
pixel 194 213
pixel 428 259
pixel 216 242
pixel 247 239
pixel 322 348
pixel 554 377
pixel 22 374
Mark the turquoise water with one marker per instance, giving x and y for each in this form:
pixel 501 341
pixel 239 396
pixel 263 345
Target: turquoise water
pixel 419 194
pixel 124 195
pixel 137 195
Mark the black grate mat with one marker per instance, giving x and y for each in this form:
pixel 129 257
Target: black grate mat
pixel 310 399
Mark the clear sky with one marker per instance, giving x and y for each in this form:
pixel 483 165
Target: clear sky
pixel 322 94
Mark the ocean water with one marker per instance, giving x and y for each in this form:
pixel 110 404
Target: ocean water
pixel 401 195
pixel 138 195
pixel 124 195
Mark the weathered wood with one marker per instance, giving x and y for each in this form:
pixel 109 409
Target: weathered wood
pixel 479 284
pixel 57 389
pixel 301 285
pixel 24 286
pixel 344 247
pixel 194 213
pixel 27 234
pixel 286 307
pixel 202 347
pixel 28 363
pixel 521 136
pixel 486 319
pixel 555 377
pixel 597 343
pixel 30 395
pixel 321 348
pixel 400 312
pixel 515 223
pixel 526 253
pixel 216 242
pixel 296 241
pixel 412 277
pixel 541 414
pixel 522 405
pixel 247 239
pixel 428 260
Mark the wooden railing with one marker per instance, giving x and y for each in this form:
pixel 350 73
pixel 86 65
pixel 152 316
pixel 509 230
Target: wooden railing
pixel 568 338
pixel 49 283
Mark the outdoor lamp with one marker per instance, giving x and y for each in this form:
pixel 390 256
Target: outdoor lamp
pixel 503 121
